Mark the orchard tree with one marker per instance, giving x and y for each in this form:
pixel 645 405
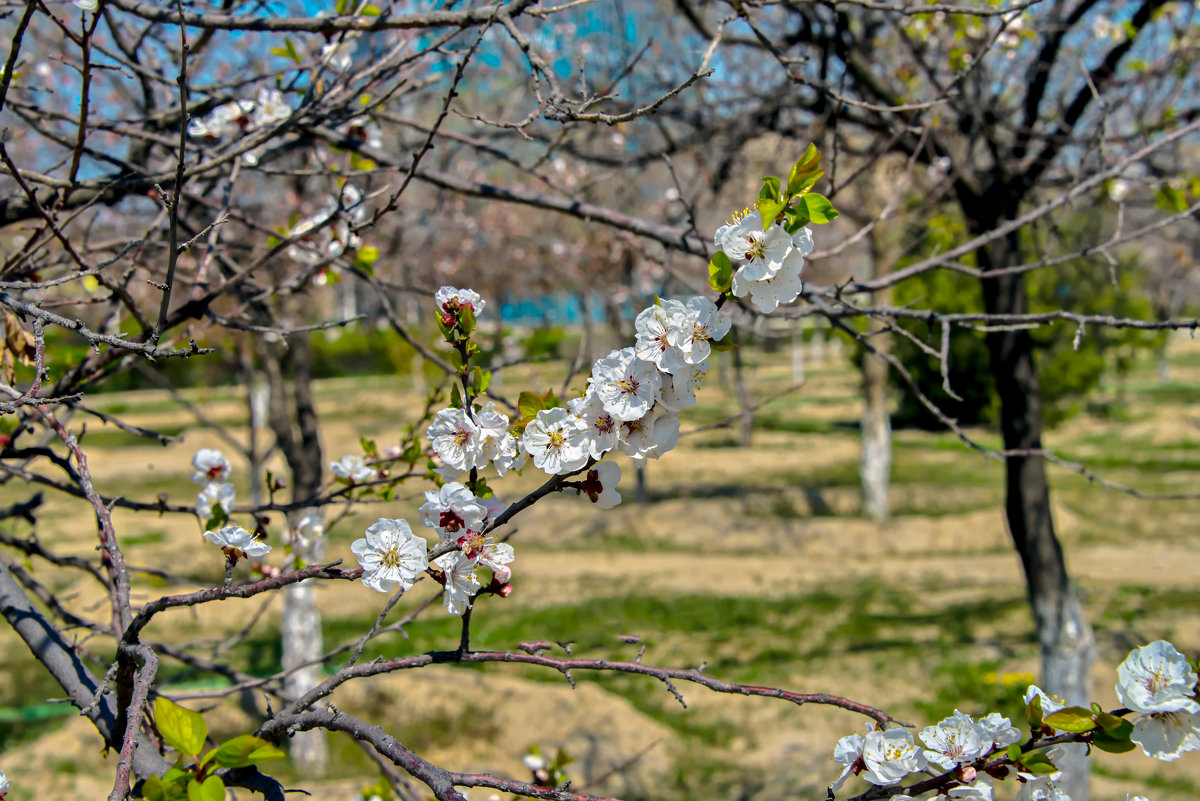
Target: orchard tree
pixel 178 176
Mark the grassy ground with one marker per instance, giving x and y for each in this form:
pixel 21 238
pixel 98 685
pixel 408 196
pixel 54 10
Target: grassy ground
pixel 755 562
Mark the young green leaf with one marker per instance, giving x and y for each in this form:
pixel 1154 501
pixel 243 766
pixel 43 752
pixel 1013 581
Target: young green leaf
pixel 818 208
pixel 183 729
pixel 720 272
pixel 244 750
pixel 1073 719
pixel 529 404
pixel 212 789
pixel 805 172
pixel 770 189
pixel 769 209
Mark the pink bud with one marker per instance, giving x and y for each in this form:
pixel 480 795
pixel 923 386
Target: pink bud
pixel 502 574
pixel 505 591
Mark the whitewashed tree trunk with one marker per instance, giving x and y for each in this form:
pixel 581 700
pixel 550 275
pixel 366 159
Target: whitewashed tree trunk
pixel 300 629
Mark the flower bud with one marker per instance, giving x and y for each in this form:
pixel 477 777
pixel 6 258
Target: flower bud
pixel 505 591
pixel 502 574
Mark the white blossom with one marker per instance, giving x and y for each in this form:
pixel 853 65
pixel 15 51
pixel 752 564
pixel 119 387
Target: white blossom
pixel 998 730
pixel 1157 678
pixel 600 484
pixel 238 540
pixel 847 752
pixel 214 492
pixel 461 582
pixel 457 439
pixel 352 468
pixel 954 741
pixel 1167 735
pixel 602 429
pixel 307 530
pixel 210 465
pixel 700 321
pixel 451 509
pixel 270 107
pixel 625 384
pixel 890 755
pixel 678 391
pixel 761 252
pixel 979 790
pixel 783 286
pixel 462 297
pixel 650 436
pixel 556 441
pixel 654 326
pixel 390 555
pixel 1050 703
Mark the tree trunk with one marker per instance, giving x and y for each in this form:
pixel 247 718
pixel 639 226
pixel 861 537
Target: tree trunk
pixel 300 627
pixel 875 458
pixel 1064 636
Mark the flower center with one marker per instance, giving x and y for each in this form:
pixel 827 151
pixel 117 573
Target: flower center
pixel 628 385
pixel 450 521
pixel 556 440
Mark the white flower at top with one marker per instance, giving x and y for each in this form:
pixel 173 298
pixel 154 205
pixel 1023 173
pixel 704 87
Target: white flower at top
pixel 452 509
pixel 556 441
pixel 699 322
pixel 460 297
pixel 760 252
pixel 1157 678
pixel 210 465
pixel 954 741
pixel 390 555
pixel 461 581
pixel 217 493
pixel 237 541
pixel 625 384
pixel 227 119
pixel 352 468
pixel 654 326
pixel 890 755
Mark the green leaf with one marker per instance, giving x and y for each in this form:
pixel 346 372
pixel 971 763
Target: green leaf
pixel 1170 199
pixel 212 789
pixel 769 209
pixel 370 11
pixel 1033 714
pixel 1113 745
pixel 369 447
pixel 1014 752
pixel 183 729
pixel 805 172
pixel 1038 762
pixel 480 379
pixel 153 789
pixel 720 345
pixel 245 750
pixel 456 399
pixel 818 208
pixel 720 272
pixel 529 404
pixel 360 162
pixel 550 399
pixel 1114 727
pixel 1073 719
pixel 367 255
pixel 770 189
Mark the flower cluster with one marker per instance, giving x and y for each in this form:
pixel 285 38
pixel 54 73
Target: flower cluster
pixel 211 468
pixel 329 232
pixel 767 263
pixel 235 119
pixel 634 394
pixel 1155 682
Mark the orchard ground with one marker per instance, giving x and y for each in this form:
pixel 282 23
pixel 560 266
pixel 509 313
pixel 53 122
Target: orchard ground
pixel 755 562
